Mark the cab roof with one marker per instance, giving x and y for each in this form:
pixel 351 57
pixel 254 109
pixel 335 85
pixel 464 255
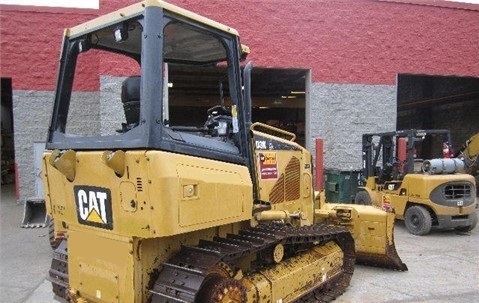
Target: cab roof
pixel 138 9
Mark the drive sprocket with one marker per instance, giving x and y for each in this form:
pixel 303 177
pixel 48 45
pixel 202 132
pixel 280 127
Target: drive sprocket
pixel 229 291
pixel 220 289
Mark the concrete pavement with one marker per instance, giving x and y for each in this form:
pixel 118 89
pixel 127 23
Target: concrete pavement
pixel 443 266
pixel 25 254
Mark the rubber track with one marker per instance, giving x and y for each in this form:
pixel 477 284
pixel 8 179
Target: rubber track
pixel 181 277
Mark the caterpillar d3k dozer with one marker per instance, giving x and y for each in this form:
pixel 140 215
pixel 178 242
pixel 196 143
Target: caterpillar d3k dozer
pixel 165 207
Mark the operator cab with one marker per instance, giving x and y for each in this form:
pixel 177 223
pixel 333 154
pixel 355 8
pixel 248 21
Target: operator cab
pixel 168 67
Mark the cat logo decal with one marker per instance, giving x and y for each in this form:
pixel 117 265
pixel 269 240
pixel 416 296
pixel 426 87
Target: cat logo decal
pixel 93 205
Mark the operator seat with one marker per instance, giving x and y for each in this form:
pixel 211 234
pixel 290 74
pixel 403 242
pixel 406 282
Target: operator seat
pixel 130 97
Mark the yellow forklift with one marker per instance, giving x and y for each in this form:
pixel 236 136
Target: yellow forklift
pixel 406 172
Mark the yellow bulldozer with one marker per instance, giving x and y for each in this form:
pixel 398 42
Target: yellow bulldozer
pixel 165 207
pixel 406 171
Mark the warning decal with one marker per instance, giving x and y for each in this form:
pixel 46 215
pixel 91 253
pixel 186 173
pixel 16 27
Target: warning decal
pixel 268 166
pixel 387 203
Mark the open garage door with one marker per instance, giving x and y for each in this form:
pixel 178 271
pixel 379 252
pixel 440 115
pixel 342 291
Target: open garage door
pixel 279 99
pixel 439 102
pixel 7 140
pixel 278 96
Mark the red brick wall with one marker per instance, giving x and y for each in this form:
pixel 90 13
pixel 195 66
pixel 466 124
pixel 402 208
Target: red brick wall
pixel 359 41
pixel 30 45
pixel 342 41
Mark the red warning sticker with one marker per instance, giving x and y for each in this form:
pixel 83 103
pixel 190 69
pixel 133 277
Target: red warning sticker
pixel 387 203
pixel 268 165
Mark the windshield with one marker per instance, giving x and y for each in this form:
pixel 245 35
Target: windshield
pixel 106 98
pixel 182 43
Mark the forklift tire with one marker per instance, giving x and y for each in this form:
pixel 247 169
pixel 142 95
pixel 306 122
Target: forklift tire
pixel 418 220
pixel 362 198
pixel 468 227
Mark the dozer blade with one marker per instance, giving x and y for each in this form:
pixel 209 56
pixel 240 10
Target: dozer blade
pixel 373 233
pixel 34 213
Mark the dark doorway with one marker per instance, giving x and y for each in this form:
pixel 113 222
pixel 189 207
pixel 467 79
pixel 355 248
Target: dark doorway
pixel 8 149
pixel 278 96
pixel 439 102
pixel 279 99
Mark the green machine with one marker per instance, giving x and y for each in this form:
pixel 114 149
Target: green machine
pixel 341 185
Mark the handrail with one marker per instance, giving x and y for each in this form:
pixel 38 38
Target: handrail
pixel 274 129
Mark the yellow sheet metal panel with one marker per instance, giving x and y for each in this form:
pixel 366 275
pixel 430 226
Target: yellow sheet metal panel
pixel 418 189
pixel 160 194
pixel 420 185
pixel 209 194
pixel 57 195
pixel 283 173
pixel 100 268
pixel 192 193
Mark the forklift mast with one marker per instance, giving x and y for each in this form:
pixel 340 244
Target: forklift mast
pixel 391 155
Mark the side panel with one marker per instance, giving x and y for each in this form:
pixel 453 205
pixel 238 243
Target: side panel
pixel 100 267
pixel 418 188
pixel 284 174
pixel 159 194
pixel 199 193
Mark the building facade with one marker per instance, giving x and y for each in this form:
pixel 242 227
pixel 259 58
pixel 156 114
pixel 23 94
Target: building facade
pixel 353 54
